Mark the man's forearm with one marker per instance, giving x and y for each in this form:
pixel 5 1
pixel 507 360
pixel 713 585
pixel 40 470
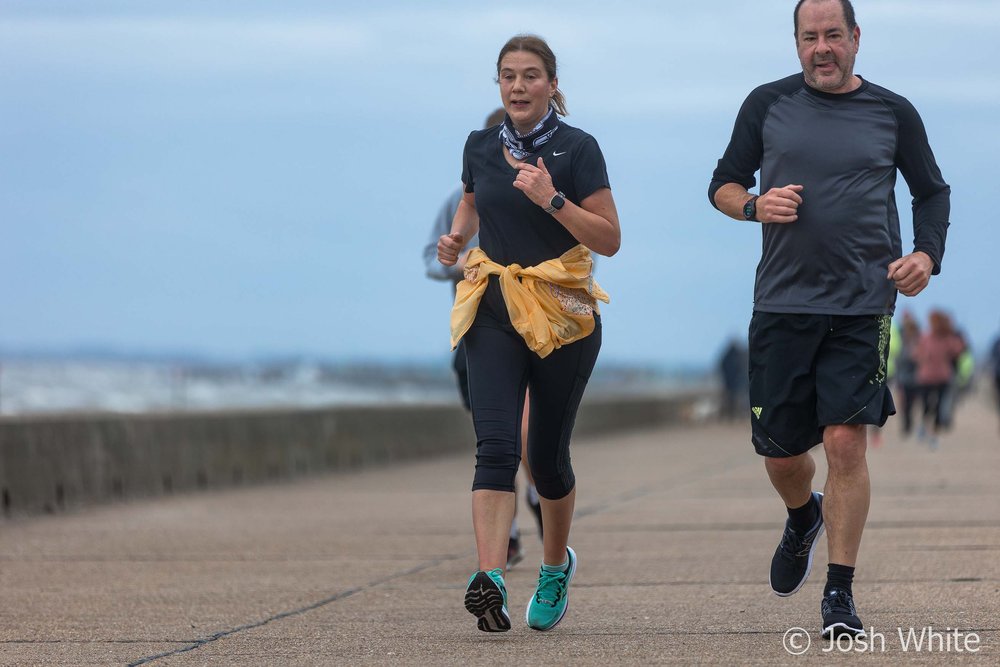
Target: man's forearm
pixel 930 225
pixel 730 199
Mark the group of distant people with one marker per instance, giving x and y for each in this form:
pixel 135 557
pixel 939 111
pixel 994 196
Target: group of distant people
pixel 828 145
pixel 930 367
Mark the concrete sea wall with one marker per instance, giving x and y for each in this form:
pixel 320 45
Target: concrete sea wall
pixel 53 463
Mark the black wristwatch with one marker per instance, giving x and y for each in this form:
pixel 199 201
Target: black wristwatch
pixel 556 203
pixel 750 208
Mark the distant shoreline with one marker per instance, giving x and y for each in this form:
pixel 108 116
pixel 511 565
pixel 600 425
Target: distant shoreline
pixel 33 386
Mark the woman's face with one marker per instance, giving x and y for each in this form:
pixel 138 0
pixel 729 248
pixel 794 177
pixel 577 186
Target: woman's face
pixel 525 88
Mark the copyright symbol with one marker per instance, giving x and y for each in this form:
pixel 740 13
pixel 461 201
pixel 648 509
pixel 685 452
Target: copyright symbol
pixel 796 641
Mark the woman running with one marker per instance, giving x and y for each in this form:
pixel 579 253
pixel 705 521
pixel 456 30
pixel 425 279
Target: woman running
pixel 537 191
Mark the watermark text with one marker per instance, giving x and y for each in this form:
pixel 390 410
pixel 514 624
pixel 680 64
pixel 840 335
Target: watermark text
pixel 929 639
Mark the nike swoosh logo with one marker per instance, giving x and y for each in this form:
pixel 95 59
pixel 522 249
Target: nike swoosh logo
pixel 554 154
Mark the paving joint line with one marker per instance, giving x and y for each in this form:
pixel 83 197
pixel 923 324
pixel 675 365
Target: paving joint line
pixel 704 472
pixel 619 499
pixel 198 643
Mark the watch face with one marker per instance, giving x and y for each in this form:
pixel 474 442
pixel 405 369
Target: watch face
pixel 557 201
pixel 750 209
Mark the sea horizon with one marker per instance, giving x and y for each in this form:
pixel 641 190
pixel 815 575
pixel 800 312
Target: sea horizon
pixel 77 381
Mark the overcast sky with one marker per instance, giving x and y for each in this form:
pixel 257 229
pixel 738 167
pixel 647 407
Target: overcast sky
pixel 250 178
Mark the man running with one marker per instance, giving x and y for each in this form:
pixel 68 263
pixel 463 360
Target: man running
pixel 828 144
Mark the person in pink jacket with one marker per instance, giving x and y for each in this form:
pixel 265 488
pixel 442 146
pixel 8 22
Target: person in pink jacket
pixel 936 355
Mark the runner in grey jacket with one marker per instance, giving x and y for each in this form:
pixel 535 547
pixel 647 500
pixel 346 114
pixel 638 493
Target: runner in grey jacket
pixel 442 225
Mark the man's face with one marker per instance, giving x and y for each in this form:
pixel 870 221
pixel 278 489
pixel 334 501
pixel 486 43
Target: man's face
pixel 826 47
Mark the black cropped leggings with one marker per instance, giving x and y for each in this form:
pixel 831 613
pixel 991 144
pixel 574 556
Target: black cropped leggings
pixel 500 368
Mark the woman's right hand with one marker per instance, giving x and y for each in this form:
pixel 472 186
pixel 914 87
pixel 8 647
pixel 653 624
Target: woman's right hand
pixel 449 247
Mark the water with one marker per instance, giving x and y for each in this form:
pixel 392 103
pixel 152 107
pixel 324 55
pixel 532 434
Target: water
pixel 58 386
pixel 28 387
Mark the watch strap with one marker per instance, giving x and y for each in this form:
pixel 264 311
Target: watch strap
pixel 550 209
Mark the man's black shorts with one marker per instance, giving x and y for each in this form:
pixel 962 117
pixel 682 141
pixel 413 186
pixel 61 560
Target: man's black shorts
pixel 810 371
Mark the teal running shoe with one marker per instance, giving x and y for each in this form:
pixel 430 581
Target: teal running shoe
pixel 548 604
pixel 486 599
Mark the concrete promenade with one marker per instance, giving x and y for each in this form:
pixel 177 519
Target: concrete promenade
pixel 675 529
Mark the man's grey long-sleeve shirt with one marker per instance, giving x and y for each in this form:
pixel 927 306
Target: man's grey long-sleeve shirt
pixel 844 149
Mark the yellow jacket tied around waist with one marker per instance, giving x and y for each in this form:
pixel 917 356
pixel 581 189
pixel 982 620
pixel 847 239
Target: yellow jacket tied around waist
pixel 550 305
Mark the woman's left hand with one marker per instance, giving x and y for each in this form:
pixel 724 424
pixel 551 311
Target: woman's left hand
pixel 535 182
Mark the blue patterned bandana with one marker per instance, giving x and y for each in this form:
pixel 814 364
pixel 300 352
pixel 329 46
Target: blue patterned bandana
pixel 523 145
